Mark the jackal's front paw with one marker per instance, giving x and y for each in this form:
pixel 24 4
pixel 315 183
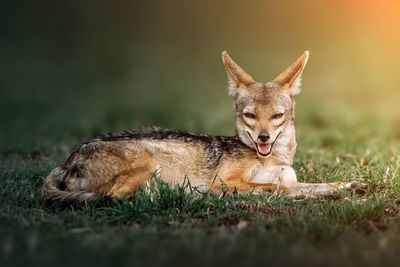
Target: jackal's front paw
pixel 356 186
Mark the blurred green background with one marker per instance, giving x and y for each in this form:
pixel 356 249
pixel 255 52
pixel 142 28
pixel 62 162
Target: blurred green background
pixel 70 70
pixel 74 69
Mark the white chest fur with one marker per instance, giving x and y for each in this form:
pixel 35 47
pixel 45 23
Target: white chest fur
pixel 279 174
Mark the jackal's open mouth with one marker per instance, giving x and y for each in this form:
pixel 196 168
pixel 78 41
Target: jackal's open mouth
pixel 264 149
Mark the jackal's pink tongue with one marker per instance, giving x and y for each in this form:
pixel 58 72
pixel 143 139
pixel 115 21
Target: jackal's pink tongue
pixel 264 148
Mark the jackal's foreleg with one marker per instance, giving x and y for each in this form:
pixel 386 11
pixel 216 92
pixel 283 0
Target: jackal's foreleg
pixel 287 183
pixel 322 189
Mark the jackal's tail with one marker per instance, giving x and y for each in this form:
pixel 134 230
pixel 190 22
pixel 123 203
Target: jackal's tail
pixel 52 189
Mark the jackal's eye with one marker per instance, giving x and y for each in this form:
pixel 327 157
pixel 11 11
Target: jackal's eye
pixel 277 116
pixel 249 115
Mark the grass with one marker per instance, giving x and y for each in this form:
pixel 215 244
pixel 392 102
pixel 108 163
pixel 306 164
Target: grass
pixel 172 226
pixel 48 108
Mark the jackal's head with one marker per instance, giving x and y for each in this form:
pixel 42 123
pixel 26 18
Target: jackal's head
pixel 263 110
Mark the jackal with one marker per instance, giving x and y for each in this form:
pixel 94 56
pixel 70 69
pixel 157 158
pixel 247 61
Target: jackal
pixel 257 158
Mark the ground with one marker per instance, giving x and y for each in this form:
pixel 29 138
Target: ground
pixel 170 226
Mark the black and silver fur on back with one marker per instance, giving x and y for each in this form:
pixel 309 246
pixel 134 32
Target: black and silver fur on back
pixel 215 146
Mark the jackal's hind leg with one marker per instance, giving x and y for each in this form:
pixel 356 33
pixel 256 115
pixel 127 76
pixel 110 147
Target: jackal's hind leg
pixel 127 183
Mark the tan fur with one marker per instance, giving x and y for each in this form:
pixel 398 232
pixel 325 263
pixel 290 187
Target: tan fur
pixel 259 158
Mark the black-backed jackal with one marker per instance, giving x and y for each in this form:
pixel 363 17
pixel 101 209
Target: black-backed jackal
pixel 258 158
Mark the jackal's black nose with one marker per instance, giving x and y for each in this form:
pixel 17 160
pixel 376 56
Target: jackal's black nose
pixel 263 136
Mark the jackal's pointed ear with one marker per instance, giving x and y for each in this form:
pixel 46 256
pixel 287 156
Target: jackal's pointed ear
pixel 238 78
pixel 290 79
